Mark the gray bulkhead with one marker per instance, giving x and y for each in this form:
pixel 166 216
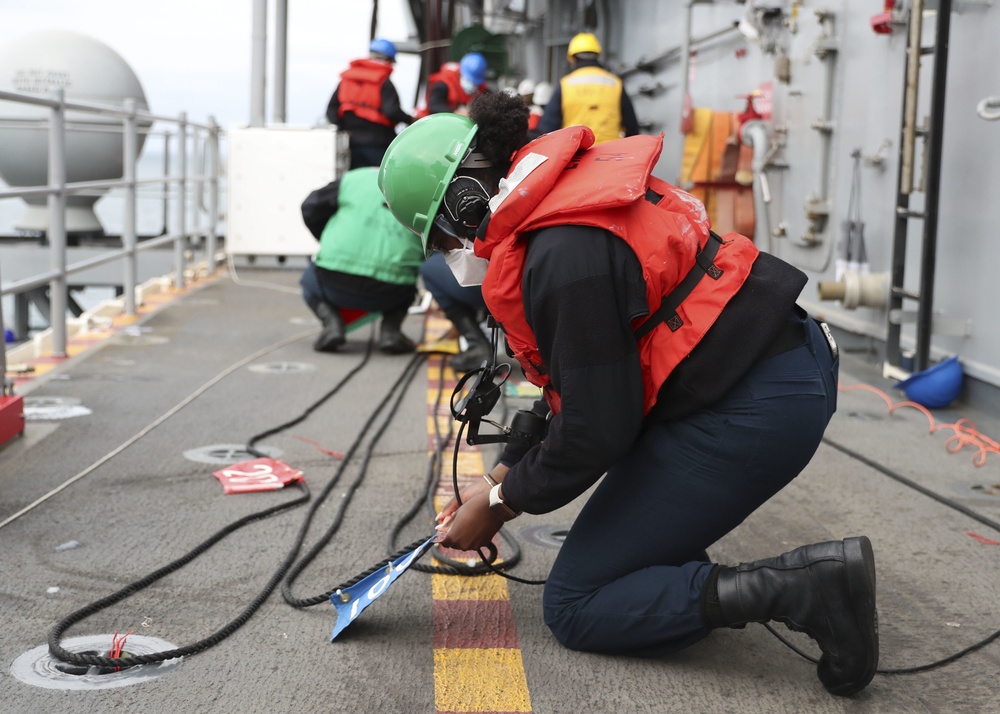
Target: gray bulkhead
pixel 837 87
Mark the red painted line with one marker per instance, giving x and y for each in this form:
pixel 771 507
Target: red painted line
pixel 481 624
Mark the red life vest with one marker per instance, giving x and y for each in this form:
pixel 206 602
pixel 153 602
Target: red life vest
pixel 451 76
pixel 361 90
pixel 558 179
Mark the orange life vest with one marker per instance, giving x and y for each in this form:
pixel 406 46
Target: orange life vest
pixel 450 75
pixel 361 90
pixel 558 179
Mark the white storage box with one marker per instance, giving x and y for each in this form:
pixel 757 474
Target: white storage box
pixel 271 171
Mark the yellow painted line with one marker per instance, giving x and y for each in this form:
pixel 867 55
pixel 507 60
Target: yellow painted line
pixel 41 369
pixel 470 466
pixel 480 680
pixel 473 678
pixel 487 587
pixel 83 341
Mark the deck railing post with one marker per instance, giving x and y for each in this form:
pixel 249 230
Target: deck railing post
pixel 58 286
pixel 180 243
pixel 213 195
pixel 129 227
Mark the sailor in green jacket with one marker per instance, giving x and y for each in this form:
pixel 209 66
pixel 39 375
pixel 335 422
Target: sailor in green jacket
pixel 366 261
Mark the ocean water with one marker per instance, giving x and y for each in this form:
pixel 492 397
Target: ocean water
pixel 154 214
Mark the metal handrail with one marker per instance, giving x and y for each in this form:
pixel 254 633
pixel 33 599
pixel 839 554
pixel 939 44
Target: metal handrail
pixel 58 188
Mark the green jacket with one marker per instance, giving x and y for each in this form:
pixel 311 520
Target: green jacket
pixel 364 238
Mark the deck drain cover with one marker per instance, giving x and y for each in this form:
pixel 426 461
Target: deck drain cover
pixel 547 536
pixel 40 669
pixel 226 454
pixel 282 367
pixel 52 408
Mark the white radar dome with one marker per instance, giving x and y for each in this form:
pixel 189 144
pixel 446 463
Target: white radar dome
pixel 88 71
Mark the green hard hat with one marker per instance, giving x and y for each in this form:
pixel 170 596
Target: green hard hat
pixel 419 165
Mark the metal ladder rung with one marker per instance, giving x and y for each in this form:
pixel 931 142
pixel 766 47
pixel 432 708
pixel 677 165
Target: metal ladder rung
pixel 906 213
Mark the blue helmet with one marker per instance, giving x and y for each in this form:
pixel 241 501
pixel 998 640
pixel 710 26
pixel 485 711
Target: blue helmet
pixel 383 47
pixel 473 68
pixel 936 387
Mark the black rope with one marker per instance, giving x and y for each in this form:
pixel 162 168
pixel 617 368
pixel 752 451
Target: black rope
pixel 916 669
pixel 913 484
pixel 55 635
pixel 289 569
pixel 901 670
pixel 396 391
pixel 315 405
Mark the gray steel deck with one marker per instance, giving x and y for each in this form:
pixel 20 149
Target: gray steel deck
pixel 148 504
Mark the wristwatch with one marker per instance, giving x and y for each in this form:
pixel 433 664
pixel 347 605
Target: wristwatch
pixel 500 509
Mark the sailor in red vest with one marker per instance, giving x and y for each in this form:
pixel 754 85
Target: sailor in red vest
pixel 675 364
pixel 452 87
pixel 366 104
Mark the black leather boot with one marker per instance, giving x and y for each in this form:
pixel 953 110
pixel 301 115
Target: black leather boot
pixel 826 590
pixel 391 338
pixel 331 337
pixel 480 347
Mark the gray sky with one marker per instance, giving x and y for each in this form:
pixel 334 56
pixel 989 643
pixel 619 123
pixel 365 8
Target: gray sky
pixel 194 55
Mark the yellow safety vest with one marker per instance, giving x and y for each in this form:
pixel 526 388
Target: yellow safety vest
pixel 592 96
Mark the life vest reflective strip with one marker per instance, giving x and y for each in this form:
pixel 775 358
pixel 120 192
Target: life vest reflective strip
pixel 592 96
pixel 667 237
pixel 361 90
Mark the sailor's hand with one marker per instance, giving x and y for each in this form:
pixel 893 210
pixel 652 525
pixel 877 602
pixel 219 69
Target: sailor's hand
pixel 480 486
pixel 472 525
pixel 443 519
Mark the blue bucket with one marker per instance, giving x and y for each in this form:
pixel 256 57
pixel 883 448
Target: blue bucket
pixel 935 387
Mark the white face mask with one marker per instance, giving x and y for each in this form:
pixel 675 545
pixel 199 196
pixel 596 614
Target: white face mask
pixel 468 268
pixel 467 86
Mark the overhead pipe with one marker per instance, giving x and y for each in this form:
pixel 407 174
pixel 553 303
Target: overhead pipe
pixel 650 65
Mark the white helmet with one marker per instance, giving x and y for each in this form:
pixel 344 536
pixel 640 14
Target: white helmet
pixel 543 93
pixel 526 87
